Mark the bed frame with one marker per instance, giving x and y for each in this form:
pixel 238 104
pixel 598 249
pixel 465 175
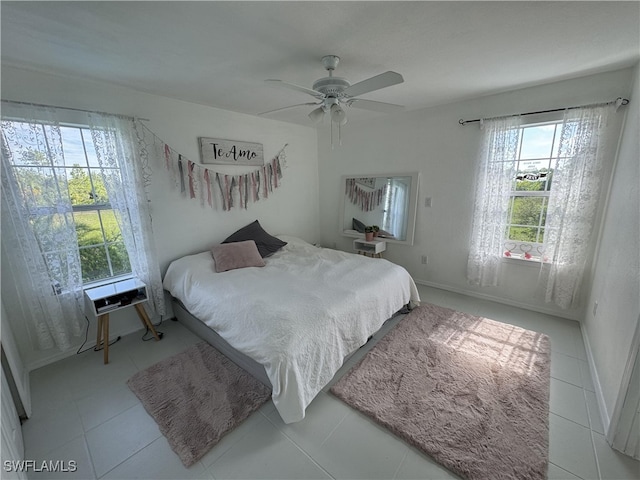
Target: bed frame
pixel 211 337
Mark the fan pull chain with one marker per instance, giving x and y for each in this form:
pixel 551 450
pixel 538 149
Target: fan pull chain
pixel 331 129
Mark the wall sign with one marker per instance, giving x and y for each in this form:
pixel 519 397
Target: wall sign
pixel 230 152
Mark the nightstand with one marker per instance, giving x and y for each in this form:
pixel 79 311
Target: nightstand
pixel 373 248
pixel 100 301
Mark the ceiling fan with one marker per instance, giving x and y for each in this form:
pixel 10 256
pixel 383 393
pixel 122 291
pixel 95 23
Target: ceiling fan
pixel 332 93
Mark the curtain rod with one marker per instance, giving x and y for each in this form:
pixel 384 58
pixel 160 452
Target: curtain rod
pixel 618 102
pixel 75 110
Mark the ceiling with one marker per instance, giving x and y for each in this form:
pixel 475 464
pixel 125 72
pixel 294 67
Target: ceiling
pixel 220 53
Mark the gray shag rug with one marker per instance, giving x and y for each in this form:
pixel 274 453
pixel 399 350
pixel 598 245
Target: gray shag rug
pixel 196 397
pixel 470 392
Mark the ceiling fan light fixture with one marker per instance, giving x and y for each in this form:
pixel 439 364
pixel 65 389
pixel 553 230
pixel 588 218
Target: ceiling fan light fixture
pixel 317 114
pixel 338 115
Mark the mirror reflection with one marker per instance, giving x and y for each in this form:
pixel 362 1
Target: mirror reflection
pixel 386 201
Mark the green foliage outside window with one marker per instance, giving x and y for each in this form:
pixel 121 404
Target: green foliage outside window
pixel 93 251
pixel 528 213
pixel 102 251
pixel 80 190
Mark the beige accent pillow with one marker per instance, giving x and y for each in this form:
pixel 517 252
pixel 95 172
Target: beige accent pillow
pixel 229 256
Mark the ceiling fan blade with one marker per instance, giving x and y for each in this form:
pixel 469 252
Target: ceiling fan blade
pixel 374 106
pixel 286 108
pixel 293 86
pixel 383 80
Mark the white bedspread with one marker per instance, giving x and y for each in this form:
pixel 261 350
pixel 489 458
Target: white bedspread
pixel 299 315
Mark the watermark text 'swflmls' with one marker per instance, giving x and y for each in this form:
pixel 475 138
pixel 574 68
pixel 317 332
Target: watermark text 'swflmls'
pixel 62 466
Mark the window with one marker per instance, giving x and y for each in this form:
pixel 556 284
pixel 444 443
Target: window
pixel 76 171
pixel 72 214
pixel 396 200
pixel 537 197
pixel 535 163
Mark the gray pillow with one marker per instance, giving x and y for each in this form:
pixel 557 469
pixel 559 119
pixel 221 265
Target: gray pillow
pixel 357 225
pixel 267 244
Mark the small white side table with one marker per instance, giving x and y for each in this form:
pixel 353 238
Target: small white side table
pixel 100 301
pixel 374 248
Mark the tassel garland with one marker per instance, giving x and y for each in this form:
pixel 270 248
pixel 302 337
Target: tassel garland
pixel 366 200
pixel 215 188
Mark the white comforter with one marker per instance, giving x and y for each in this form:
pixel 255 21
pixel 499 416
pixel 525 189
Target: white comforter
pixel 299 315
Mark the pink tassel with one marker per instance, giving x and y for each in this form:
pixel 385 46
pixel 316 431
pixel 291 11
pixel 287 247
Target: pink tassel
pixel 167 156
pixel 222 195
pixel 226 192
pixel 275 173
pixel 266 188
pixel 246 189
pixel 253 187
pixel 190 166
pixel 206 179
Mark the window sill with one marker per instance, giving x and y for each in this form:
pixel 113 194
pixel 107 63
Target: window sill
pixel 521 260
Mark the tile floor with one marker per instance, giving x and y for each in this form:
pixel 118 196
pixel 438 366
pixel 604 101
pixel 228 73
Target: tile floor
pixel 83 411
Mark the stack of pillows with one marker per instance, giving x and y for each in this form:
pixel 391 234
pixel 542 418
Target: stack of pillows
pixel 246 247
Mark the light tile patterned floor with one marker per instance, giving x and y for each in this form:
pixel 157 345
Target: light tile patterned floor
pixel 84 411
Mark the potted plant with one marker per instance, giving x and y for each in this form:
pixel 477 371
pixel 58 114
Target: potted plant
pixel 368 233
pixel 376 229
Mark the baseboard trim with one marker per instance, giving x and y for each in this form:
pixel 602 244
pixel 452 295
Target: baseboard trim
pixel 43 362
pixel 602 406
pixel 492 298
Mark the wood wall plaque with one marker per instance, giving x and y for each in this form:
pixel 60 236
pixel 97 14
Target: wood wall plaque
pixel 230 152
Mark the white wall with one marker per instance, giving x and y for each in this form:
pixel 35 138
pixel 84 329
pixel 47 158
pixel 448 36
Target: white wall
pixel 432 142
pixel 181 225
pixel 616 284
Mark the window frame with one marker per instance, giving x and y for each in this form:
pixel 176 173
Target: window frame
pixel 96 207
pixel 532 251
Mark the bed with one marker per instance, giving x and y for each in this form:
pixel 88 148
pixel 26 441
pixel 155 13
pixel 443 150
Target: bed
pixel 292 322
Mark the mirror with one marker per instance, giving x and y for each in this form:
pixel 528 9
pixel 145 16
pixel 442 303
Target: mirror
pixel 386 200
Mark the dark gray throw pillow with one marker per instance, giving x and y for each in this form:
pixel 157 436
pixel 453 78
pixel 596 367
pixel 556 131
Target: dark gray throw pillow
pixel 267 244
pixel 357 225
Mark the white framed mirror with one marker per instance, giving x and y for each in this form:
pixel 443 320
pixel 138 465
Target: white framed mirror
pixel 388 201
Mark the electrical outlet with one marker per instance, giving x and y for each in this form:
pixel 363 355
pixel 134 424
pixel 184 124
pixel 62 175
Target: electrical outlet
pixel 425 259
pixel 427 203
pixel 595 307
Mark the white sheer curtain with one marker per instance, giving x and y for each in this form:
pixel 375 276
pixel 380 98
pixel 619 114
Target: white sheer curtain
pixel 41 268
pixel 573 202
pixel 119 148
pixel 495 174
pixel 41 272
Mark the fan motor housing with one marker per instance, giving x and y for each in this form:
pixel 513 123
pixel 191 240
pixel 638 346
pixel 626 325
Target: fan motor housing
pixel 331 86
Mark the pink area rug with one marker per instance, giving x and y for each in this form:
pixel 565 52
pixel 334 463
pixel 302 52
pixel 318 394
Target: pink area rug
pixel 196 397
pixel 470 392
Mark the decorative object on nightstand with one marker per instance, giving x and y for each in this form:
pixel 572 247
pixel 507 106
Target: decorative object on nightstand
pixel 100 301
pixel 371 248
pixel 368 233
